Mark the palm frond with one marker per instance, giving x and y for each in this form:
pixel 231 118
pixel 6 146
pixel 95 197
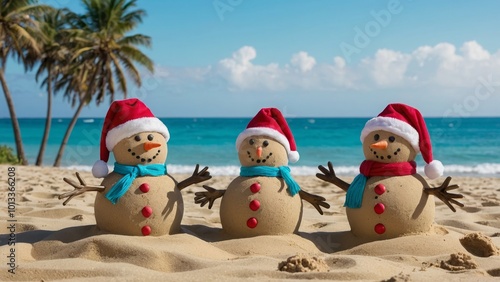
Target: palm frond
pixel 120 77
pixel 136 40
pixel 137 56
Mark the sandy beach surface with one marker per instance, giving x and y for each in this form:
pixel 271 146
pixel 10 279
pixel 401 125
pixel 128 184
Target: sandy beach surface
pixel 55 242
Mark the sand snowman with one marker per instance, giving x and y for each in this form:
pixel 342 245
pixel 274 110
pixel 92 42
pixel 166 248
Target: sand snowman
pixel 138 197
pixel 264 199
pixel 388 198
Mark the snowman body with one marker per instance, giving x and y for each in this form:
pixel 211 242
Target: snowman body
pixel 259 205
pixel 152 205
pixel 391 207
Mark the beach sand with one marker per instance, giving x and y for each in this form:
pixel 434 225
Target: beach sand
pixel 56 242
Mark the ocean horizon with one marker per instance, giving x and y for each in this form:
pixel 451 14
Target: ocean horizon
pixel 466 146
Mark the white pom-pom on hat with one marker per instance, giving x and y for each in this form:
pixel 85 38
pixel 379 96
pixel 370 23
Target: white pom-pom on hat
pixel 293 156
pixel 100 169
pixel 434 169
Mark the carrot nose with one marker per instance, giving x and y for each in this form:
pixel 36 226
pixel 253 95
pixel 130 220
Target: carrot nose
pixel 379 145
pixel 259 152
pixel 150 145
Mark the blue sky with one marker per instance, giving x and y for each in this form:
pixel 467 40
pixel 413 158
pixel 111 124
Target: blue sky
pixel 308 58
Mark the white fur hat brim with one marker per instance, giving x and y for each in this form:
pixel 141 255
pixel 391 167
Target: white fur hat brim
pixel 135 126
pixel 293 156
pixel 392 125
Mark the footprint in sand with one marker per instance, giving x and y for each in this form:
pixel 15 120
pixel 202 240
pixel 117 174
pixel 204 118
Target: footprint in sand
pixel 471 209
pixel 491 223
pixel 490 203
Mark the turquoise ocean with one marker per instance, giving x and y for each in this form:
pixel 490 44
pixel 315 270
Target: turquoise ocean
pixel 466 146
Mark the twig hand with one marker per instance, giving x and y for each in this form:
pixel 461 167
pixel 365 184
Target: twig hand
pixel 328 175
pixel 315 200
pixel 80 188
pixel 197 177
pixel 442 193
pixel 208 196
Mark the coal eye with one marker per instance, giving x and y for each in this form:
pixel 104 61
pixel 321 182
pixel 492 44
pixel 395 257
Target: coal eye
pixel 137 138
pixel 150 137
pixel 265 143
pixel 392 139
pixel 251 141
pixel 376 137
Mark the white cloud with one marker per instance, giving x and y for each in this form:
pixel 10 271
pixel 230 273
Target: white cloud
pixel 303 61
pixel 241 73
pixel 473 51
pixel 442 66
pixel 387 67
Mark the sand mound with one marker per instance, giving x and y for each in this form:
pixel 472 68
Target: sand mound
pixel 458 262
pixel 399 278
pixel 479 245
pixel 303 263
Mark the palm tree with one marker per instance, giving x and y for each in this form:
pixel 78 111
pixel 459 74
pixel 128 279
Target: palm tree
pixel 104 55
pixel 53 54
pixel 16 39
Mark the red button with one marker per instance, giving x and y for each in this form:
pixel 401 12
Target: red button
pixel 144 187
pixel 254 205
pixel 255 187
pixel 147 211
pixel 379 208
pixel 379 189
pixel 252 222
pixel 146 230
pixel 380 228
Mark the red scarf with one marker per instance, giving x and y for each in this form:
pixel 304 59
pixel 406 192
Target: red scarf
pixel 368 169
pixel 373 168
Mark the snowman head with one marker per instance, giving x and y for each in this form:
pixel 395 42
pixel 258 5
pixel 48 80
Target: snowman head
pixel 387 147
pixel 142 148
pixel 124 120
pixel 262 150
pixel 404 122
pixel 268 124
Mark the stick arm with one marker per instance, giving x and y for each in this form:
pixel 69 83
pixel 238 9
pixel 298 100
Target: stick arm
pixel 328 175
pixel 197 177
pixel 80 188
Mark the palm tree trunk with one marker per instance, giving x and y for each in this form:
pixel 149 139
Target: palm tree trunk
pixel 71 125
pixel 13 118
pixel 48 119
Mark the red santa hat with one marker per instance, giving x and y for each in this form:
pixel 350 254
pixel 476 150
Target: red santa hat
pixel 408 123
pixel 270 122
pixel 124 119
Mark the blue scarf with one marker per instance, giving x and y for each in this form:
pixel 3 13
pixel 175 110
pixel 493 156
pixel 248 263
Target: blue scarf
pixel 130 173
pixel 282 171
pixel 354 195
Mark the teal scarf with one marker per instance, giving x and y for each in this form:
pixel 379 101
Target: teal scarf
pixel 282 171
pixel 354 195
pixel 367 169
pixel 130 173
